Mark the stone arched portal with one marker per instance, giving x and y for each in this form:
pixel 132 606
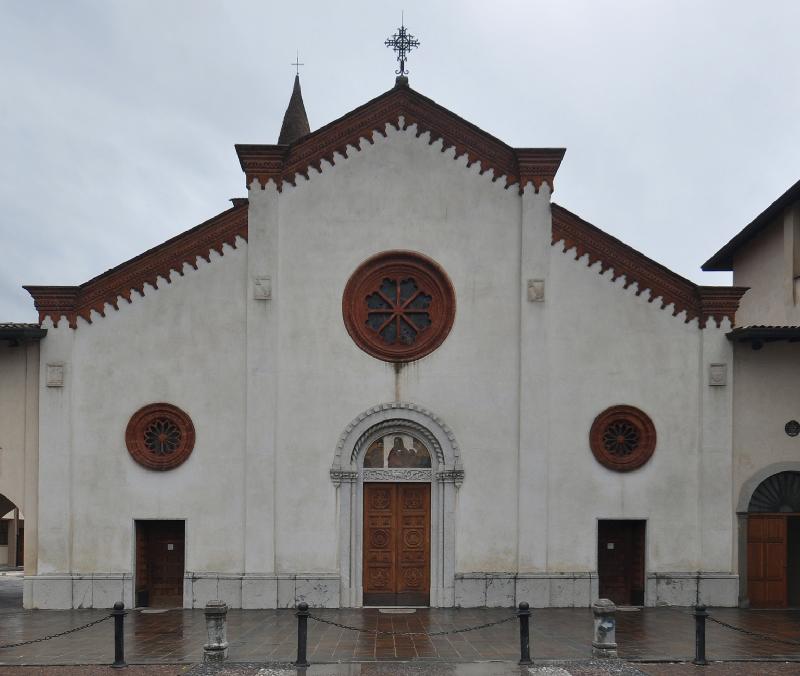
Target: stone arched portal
pixel 769 538
pixel 445 476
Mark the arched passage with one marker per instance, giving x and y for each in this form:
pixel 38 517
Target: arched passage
pixel 770 563
pixel 443 474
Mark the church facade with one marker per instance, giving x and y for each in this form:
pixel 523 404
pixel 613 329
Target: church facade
pixel 396 373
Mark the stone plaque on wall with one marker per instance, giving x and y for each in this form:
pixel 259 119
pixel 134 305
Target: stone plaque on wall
pixel 55 375
pixel 718 375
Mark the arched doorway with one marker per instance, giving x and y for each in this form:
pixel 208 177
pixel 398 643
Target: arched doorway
pixel 396 470
pixel 11 534
pixel 773 542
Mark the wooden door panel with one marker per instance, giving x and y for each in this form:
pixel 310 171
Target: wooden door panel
pixel 396 544
pixel 766 560
pixel 620 561
pixel 160 563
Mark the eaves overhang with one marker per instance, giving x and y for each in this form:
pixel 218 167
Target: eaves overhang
pixel 14 333
pixel 757 336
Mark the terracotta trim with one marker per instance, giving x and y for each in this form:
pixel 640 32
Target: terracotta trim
pixel 283 163
pixel 698 302
pixel 119 282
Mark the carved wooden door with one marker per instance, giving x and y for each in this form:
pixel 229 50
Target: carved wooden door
pixel 766 560
pixel 397 529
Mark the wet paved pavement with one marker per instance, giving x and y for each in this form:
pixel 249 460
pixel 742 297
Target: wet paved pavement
pixel 177 636
pixel 10 589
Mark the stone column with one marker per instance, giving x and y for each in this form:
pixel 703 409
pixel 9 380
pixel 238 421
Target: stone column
pixel 604 641
pixel 216 650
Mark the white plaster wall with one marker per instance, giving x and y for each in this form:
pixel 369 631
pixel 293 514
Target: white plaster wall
pixel 19 396
pixel 760 265
pixel 766 397
pixel 13 378
pixel 607 346
pixel 400 193
pixel 182 344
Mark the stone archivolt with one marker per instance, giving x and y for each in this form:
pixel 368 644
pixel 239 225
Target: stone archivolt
pixel 698 302
pixel 400 107
pixel 159 262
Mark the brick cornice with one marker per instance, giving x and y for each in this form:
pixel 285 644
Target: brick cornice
pixel 119 282
pixel 283 163
pixel 698 302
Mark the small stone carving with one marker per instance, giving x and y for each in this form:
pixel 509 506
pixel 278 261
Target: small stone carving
pixel 535 290
pixel 718 375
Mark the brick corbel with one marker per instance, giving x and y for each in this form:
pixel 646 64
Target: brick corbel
pixel 538 166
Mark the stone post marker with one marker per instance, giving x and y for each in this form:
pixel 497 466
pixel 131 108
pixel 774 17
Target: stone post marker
pixel 216 650
pixel 604 643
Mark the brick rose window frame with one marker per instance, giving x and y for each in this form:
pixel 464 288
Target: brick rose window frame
pixel 160 436
pixel 399 306
pixel 622 438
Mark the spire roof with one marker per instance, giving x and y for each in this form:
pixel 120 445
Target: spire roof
pixel 295 121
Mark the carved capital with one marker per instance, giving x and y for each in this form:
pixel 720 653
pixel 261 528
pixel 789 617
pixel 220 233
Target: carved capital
pixel 453 476
pixel 340 476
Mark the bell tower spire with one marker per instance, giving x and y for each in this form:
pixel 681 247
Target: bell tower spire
pixel 295 121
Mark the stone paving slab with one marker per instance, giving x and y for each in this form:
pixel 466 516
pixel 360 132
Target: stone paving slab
pixel 177 637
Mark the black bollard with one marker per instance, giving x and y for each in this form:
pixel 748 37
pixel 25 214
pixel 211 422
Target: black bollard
pixel 700 616
pixel 302 634
pixel 119 638
pixel 524 615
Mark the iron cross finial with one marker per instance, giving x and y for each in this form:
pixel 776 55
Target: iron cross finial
pixel 402 43
pixel 297 62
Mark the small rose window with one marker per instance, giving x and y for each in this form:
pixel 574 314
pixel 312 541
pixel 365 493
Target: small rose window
pixel 622 438
pixel 398 306
pixel 160 436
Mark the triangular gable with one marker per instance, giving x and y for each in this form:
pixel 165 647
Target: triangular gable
pixel 283 163
pixel 696 301
pixel 119 282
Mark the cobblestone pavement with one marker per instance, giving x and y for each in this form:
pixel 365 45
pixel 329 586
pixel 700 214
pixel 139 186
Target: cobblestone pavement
pixel 177 636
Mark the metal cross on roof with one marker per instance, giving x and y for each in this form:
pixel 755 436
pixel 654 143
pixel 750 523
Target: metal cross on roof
pixel 402 43
pixel 297 62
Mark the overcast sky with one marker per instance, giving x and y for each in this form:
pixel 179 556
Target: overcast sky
pixel 681 118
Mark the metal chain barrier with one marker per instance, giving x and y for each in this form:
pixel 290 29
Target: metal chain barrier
pixel 381 632
pixel 51 636
pixel 749 632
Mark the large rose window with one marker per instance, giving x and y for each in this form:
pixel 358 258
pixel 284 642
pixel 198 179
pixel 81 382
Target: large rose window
pixel 398 306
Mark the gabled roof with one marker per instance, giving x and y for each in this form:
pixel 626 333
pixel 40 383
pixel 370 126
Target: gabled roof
pixel 684 295
pixel 282 163
pixel 146 268
pixel 723 259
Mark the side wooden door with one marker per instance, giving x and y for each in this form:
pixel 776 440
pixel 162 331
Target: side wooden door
pixel 766 560
pixel 620 561
pixel 160 563
pixel 396 564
